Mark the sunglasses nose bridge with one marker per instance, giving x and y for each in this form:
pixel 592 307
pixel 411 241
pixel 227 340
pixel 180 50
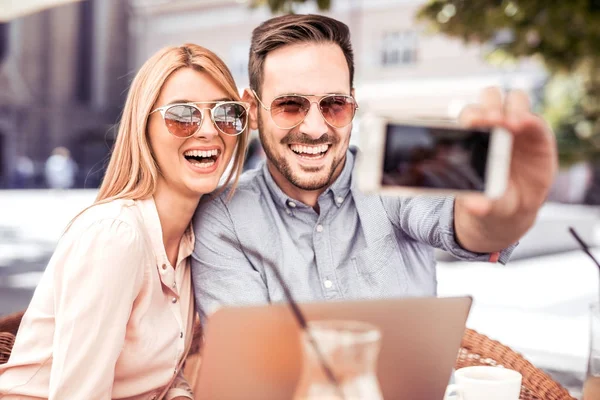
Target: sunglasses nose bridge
pixel 206 129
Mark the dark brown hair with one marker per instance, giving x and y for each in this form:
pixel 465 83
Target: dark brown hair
pixel 295 29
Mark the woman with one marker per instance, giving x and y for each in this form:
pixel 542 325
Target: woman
pixel 112 317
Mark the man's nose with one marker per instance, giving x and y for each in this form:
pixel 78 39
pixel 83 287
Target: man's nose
pixel 314 124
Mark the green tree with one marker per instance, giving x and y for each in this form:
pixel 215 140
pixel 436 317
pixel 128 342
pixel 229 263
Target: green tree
pixel 564 35
pixel 287 6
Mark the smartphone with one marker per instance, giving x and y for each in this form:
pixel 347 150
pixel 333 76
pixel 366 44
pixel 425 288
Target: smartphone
pixel 399 157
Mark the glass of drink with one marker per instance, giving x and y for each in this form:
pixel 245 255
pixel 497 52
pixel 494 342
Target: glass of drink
pixel 350 350
pixel 591 387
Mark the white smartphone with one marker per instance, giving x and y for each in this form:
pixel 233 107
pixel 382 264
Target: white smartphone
pixel 399 157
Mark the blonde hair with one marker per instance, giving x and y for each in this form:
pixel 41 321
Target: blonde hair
pixel 132 171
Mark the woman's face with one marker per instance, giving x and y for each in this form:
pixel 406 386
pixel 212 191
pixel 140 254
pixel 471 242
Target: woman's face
pixel 191 166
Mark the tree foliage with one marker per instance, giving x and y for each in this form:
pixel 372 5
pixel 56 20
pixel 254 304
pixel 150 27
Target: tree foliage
pixel 564 35
pixel 287 6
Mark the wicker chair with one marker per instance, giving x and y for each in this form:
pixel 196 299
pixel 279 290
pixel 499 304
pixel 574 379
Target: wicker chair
pixel 478 349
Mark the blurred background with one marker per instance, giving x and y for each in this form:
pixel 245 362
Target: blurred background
pixel 65 67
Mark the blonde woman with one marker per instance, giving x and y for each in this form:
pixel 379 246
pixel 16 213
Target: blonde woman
pixel 112 316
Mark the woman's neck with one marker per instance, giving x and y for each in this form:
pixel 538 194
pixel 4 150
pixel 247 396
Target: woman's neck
pixel 175 212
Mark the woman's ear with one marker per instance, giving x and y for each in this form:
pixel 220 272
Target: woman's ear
pixel 248 97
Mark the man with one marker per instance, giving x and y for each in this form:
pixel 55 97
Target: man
pixel 301 213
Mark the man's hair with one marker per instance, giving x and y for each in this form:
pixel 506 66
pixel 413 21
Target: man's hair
pixel 295 29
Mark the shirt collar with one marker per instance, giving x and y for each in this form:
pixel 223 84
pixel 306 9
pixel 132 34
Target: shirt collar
pixel 150 214
pixel 337 191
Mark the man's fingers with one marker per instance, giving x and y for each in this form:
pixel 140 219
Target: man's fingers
pixel 472 115
pixel 517 105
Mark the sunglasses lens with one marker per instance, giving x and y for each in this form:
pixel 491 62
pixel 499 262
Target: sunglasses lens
pixel 230 118
pixel 183 120
pixel 338 111
pixel 289 111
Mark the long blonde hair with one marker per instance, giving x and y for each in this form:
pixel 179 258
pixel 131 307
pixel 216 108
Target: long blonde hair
pixel 132 171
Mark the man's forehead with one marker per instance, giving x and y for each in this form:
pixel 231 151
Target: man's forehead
pixel 306 69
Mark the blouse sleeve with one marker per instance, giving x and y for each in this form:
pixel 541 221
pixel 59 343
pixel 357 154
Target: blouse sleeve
pixel 97 277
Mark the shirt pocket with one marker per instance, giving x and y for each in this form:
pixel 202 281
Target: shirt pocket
pixel 380 269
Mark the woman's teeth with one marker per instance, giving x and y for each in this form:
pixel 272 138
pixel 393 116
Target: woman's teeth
pixel 201 158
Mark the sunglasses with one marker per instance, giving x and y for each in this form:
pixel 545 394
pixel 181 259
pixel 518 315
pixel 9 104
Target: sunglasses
pixel 183 120
pixel 290 110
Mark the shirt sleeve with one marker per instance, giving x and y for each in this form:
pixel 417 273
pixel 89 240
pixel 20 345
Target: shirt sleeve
pixel 221 272
pixel 97 277
pixel 179 388
pixel 430 220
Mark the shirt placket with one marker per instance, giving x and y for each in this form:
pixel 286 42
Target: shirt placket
pixel 170 278
pixel 323 256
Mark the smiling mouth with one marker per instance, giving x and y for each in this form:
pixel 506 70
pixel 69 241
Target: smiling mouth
pixel 310 152
pixel 202 158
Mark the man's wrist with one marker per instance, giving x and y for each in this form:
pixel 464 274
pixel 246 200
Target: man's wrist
pixel 489 234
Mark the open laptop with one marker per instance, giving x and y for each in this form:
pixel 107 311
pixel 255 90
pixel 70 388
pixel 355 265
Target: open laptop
pixel 255 352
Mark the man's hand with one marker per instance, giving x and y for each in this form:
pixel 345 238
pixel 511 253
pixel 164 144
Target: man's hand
pixel 484 225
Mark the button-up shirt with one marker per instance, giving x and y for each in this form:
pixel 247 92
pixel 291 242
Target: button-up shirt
pixel 111 318
pixel 356 247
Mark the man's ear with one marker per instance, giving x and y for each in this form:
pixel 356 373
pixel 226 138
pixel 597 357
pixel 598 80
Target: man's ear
pixel 248 97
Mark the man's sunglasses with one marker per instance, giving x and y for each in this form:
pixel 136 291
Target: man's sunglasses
pixel 290 110
pixel 183 120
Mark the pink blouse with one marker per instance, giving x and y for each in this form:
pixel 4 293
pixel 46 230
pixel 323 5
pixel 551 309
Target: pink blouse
pixel 110 318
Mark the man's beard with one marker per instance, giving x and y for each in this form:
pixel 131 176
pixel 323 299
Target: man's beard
pixel 281 164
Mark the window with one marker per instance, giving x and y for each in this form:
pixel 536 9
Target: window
pixel 85 51
pixel 3 41
pixel 399 48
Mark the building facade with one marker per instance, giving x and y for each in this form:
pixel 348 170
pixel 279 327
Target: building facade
pixel 62 83
pixel 398 64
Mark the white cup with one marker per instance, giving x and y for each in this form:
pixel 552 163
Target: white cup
pixel 485 383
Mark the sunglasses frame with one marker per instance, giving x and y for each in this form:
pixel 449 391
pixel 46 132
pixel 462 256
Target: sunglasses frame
pixel 306 96
pixel 164 109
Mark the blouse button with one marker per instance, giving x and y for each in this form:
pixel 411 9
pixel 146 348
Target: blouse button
pixel 180 334
pixel 174 300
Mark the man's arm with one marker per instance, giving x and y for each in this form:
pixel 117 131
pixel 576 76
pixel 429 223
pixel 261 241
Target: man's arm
pixel 484 225
pixel 221 272
pixel 430 220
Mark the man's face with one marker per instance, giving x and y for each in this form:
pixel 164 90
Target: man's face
pixel 311 155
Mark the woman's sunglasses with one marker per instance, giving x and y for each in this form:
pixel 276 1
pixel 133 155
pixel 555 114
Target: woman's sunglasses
pixel 288 111
pixel 183 120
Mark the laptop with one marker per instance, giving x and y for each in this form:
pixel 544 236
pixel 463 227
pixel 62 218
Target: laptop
pixel 255 352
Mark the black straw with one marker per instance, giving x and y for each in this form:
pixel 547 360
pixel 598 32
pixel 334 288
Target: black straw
pixel 300 318
pixel 584 246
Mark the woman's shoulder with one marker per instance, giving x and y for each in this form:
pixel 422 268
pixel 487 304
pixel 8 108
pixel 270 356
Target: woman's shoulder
pixel 122 212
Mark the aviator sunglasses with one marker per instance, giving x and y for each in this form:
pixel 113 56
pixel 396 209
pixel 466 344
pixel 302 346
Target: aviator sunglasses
pixel 183 120
pixel 290 110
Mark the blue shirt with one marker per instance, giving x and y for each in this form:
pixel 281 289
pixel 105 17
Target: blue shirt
pixel 357 247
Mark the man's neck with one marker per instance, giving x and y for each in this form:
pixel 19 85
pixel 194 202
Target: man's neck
pixel 308 197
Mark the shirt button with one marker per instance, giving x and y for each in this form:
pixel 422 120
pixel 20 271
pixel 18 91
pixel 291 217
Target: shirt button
pixel 339 200
pixel 319 228
pixel 174 300
pixel 291 204
pixel 328 284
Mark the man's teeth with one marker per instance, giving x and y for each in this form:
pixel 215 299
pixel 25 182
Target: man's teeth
pixel 201 153
pixel 296 148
